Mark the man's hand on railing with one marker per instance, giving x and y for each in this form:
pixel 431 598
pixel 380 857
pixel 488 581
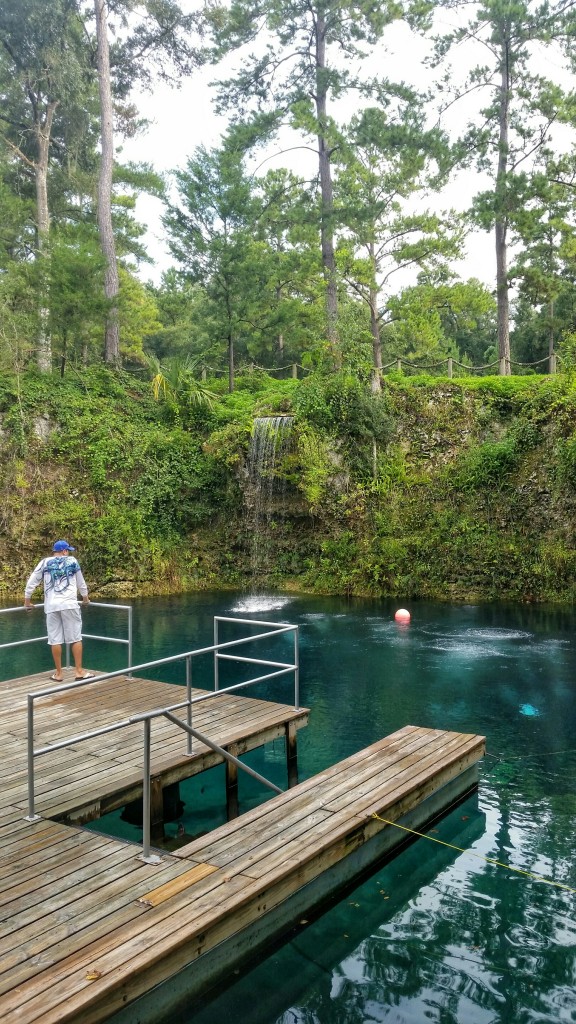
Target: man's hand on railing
pixel 28 604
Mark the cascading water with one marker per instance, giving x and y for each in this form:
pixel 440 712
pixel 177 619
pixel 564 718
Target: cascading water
pixel 266 486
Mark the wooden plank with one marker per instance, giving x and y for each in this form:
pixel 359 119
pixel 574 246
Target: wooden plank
pixel 176 885
pixel 26 865
pixel 44 899
pixel 97 910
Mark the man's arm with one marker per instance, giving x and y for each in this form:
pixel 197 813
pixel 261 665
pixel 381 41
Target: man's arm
pixel 34 580
pixel 82 586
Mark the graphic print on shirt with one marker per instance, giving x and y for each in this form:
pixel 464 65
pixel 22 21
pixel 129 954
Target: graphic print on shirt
pixel 59 573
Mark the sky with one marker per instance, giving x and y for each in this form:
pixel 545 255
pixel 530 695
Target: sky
pixel 182 119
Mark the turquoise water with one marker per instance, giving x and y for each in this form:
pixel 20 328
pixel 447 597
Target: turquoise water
pixel 435 935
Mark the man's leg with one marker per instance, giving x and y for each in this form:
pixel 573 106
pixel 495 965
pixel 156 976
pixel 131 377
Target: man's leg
pixel 57 655
pixel 55 639
pixel 77 655
pixel 72 623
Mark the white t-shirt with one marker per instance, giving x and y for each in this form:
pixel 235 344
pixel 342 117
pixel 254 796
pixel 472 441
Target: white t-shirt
pixel 63 581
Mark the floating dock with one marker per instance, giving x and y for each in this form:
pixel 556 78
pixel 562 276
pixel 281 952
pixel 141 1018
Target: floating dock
pixel 82 782
pixel 88 930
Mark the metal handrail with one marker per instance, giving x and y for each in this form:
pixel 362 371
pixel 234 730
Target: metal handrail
pixel 85 636
pixel 280 628
pixel 281 668
pixel 218 656
pixel 146 718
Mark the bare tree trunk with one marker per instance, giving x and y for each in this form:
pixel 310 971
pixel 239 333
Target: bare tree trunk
pixel 375 331
pixel 326 192
pixel 551 359
pixel 230 340
pixel 230 362
pixel 280 337
pixel 111 280
pixel 501 222
pixel 43 133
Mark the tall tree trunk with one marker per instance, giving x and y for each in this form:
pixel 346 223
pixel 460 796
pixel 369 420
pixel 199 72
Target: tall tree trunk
pixel 326 192
pixel 111 281
pixel 280 337
pixel 501 222
pixel 43 129
pixel 375 329
pixel 551 358
pixel 551 261
pixel 230 361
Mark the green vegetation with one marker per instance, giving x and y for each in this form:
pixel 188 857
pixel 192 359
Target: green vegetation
pixel 446 489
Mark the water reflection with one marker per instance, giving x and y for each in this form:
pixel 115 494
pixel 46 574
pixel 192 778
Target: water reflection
pixel 435 935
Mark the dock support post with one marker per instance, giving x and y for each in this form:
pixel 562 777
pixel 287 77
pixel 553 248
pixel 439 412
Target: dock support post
pixel 156 809
pixel 232 806
pixel 291 754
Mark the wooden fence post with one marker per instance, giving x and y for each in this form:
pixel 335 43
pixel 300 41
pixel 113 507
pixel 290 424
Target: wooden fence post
pixel 232 808
pixel 449 366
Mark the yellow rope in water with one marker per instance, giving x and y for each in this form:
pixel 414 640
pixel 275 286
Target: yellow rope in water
pixel 528 757
pixel 488 860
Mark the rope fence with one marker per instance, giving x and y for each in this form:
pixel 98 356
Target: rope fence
pixel 294 370
pixel 447 367
pixel 501 366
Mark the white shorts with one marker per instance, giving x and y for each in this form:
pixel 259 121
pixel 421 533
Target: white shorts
pixel 64 627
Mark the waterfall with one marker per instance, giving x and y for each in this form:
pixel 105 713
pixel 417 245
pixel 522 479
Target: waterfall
pixel 265 486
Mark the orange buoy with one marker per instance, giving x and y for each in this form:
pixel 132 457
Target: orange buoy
pixel 402 615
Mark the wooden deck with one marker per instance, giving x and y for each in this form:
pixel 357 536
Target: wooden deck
pixel 80 783
pixel 87 928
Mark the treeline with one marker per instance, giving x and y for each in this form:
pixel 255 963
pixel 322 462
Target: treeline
pixel 270 268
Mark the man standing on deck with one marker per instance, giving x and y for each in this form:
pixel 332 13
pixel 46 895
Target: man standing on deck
pixel 63 581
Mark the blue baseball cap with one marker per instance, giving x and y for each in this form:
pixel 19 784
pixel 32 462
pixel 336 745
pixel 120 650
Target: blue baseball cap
pixel 63 545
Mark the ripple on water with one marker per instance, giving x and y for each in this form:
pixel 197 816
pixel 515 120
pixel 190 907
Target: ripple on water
pixel 474 634
pixel 260 603
pixel 497 634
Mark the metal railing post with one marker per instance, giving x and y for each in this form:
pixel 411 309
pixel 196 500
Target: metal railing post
pixel 146 792
pixel 296 669
pixel 31 816
pixel 189 708
pixel 216 666
pixel 150 858
pixel 129 673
